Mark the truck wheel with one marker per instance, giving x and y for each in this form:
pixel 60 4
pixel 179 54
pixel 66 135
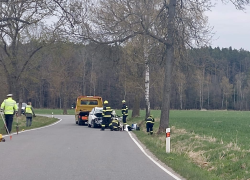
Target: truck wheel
pixel 79 122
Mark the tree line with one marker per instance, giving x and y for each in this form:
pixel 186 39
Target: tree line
pixel 138 50
pixel 210 78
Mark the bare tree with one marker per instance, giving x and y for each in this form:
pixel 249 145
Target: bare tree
pixel 227 90
pixel 174 23
pixel 158 20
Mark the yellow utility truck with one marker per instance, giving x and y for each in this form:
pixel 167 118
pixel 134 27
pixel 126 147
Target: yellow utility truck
pixel 84 104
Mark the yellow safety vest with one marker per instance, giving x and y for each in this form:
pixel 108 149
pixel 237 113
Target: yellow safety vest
pixel 9 106
pixel 28 109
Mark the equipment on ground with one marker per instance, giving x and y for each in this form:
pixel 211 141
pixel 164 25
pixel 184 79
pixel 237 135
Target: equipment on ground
pixel 6 126
pixel 17 127
pixel 1 138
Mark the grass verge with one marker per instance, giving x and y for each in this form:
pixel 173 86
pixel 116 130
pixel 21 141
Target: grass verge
pixel 38 121
pixel 207 145
pixel 54 111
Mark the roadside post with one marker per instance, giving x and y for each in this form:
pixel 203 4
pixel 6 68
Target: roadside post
pixel 168 140
pixel 52 115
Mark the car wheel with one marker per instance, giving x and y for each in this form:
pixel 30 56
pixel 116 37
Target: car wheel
pixel 93 124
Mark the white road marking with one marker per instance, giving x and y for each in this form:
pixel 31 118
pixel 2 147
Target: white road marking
pixel 19 132
pixel 160 166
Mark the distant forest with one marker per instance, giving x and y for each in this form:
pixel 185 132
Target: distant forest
pixel 203 78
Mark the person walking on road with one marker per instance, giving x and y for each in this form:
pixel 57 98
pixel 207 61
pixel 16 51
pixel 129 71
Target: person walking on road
pixel 149 124
pixel 9 108
pixel 124 113
pixel 106 115
pixel 29 113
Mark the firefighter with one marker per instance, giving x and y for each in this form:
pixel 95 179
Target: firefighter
pixel 149 124
pixel 106 115
pixel 114 125
pixel 9 107
pixel 124 113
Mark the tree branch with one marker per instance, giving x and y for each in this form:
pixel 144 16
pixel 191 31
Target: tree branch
pixel 27 61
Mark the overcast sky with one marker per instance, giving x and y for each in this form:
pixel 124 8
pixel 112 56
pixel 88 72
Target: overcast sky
pixel 231 26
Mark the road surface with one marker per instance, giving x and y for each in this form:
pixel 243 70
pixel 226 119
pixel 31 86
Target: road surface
pixel 66 151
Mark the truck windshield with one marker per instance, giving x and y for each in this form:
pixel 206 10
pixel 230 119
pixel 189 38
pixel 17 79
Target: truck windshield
pixel 89 102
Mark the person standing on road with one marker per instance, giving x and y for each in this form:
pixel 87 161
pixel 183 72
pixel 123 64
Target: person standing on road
pixel 9 108
pixel 29 113
pixel 149 124
pixel 106 115
pixel 124 113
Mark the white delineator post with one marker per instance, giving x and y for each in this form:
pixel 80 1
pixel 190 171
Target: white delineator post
pixel 168 140
pixel 52 115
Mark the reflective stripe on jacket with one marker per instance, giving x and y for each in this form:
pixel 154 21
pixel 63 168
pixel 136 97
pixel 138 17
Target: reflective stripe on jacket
pixel 114 123
pixel 150 120
pixel 9 106
pixel 124 110
pixel 106 112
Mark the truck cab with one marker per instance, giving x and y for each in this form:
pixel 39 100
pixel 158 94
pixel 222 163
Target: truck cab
pixel 84 104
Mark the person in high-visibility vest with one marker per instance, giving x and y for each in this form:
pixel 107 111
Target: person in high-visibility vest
pixel 149 124
pixel 106 115
pixel 9 108
pixel 124 113
pixel 29 113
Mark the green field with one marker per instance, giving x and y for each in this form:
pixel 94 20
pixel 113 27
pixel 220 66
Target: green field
pixel 204 144
pixel 54 111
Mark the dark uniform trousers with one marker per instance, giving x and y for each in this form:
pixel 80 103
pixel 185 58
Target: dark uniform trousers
pixel 105 121
pixel 149 124
pixel 9 120
pixel 124 115
pixel 124 119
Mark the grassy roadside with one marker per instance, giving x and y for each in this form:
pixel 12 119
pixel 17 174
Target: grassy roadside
pixel 55 111
pixel 37 121
pixel 207 145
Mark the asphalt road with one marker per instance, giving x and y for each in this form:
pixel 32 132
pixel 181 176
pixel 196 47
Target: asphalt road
pixel 66 151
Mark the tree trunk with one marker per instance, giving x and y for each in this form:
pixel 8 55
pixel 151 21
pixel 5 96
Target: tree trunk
pixel 146 79
pixel 208 97
pixel 181 97
pixel 65 98
pixel 136 105
pixel 222 102
pixel 164 121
